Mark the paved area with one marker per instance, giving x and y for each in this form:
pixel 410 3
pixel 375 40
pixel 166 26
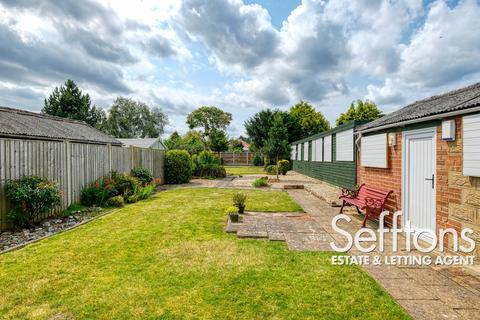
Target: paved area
pixel 426 292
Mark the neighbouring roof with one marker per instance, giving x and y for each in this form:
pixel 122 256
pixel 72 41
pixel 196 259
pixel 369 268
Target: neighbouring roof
pixel 245 144
pixel 21 123
pixel 456 100
pixel 141 143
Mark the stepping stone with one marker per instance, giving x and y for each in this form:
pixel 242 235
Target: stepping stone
pixel 232 227
pixel 293 186
pixel 252 234
pixel 276 236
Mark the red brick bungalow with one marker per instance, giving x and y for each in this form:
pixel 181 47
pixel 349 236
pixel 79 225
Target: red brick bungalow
pixel 428 153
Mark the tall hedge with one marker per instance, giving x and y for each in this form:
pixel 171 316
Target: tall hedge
pixel 178 166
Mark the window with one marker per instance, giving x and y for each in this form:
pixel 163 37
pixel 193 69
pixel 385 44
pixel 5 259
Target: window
pixel 318 150
pixel 471 145
pixel 374 151
pixel 293 154
pixel 305 151
pixel 313 150
pixel 344 149
pixel 327 148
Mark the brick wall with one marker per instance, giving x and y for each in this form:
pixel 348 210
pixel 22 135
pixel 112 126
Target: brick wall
pixel 386 179
pixel 458 197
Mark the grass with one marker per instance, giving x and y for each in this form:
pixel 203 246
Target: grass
pixel 168 258
pixel 244 170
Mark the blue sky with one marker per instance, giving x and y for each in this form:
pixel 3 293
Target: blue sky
pixel 241 56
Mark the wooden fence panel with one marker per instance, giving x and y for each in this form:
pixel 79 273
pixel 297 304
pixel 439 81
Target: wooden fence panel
pixel 71 165
pixel 237 158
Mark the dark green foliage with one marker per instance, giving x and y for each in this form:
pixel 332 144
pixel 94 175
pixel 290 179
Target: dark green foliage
pixel 178 166
pixel 142 174
pixel 208 165
pixel 68 101
pixel 257 160
pixel 116 201
pixel 218 141
pixel 260 182
pixel 283 166
pixel 276 145
pixel 98 192
pixel 134 119
pixel 30 197
pixel 125 184
pixel 366 111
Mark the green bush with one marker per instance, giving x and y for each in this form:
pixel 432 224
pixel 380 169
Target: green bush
pixel 271 169
pixel 125 184
pixel 98 192
pixel 260 182
pixel 116 201
pixel 283 166
pixel 142 174
pixel 257 160
pixel 231 209
pixel 178 166
pixel 30 197
pixel 145 192
pixel 208 165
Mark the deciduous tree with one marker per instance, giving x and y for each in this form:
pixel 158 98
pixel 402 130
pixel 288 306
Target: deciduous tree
pixel 209 119
pixel 366 111
pixel 128 118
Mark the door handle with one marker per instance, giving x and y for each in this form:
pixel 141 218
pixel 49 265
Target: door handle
pixel 433 181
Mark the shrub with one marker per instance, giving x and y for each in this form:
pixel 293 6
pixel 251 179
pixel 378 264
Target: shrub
pixel 257 160
pixel 239 201
pixel 283 166
pixel 178 166
pixel 231 209
pixel 116 201
pixel 260 182
pixel 142 174
pixel 30 197
pixel 207 164
pixel 145 192
pixel 271 169
pixel 124 184
pixel 98 192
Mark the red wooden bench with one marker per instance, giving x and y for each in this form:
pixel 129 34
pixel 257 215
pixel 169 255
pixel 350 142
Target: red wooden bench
pixel 370 199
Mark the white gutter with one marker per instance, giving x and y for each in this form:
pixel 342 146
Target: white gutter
pixel 424 119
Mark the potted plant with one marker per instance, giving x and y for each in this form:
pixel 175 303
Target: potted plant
pixel 239 201
pixel 232 213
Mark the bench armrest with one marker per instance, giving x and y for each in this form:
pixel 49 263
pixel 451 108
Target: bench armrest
pixel 347 193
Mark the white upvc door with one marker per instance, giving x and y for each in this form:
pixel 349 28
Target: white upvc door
pixel 419 180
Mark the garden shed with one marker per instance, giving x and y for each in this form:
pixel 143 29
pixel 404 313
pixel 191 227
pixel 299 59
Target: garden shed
pixel 152 143
pixel 428 153
pixel 68 152
pixel 329 156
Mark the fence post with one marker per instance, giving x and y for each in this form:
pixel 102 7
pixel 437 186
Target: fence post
pixel 248 157
pixel 68 161
pixel 109 157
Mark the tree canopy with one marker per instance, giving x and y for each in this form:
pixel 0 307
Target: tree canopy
pixel 209 119
pixel 68 101
pixel 128 118
pixel 306 121
pixel 366 111
pixel 191 142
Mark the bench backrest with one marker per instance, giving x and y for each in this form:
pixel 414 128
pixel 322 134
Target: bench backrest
pixel 373 193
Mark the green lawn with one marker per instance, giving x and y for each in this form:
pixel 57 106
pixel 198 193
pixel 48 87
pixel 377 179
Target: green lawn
pixel 169 258
pixel 244 170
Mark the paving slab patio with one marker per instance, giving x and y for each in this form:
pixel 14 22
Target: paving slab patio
pixel 425 292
